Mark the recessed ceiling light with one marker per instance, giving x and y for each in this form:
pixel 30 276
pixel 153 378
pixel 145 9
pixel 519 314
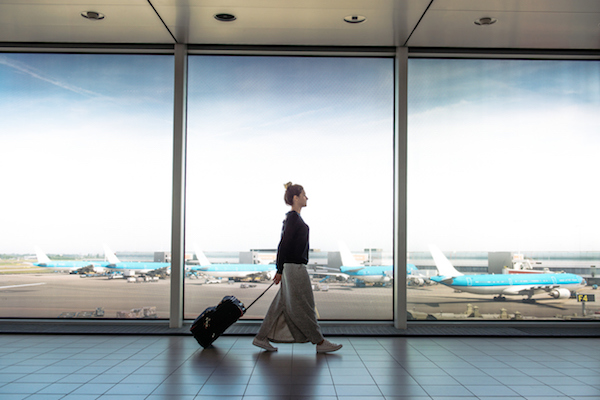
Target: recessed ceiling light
pixel 225 17
pixel 92 15
pixel 355 19
pixel 485 21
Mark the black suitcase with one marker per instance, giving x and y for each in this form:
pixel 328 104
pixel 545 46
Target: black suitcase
pixel 215 320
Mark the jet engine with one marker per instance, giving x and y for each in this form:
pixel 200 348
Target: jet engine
pixel 561 293
pixel 270 274
pixel 416 281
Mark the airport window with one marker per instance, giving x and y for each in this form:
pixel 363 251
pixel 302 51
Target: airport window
pixel 84 139
pixel 502 165
pixel 255 123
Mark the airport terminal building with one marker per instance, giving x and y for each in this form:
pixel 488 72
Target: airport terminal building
pixel 448 151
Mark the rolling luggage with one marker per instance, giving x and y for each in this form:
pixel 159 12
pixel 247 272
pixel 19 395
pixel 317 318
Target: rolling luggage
pixel 215 320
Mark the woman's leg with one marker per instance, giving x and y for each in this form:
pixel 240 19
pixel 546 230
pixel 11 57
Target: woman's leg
pixel 300 304
pixel 270 319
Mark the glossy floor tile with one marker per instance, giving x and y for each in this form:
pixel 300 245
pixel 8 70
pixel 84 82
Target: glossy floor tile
pixel 130 367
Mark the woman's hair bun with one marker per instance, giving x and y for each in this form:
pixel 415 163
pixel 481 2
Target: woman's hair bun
pixel 291 191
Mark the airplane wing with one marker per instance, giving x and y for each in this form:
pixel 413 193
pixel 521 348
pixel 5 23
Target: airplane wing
pixel 527 290
pixel 351 270
pixel 197 268
pixel 329 273
pixel 257 274
pixel 314 270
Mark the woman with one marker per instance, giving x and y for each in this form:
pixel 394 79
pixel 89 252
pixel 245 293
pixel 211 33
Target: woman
pixel 291 317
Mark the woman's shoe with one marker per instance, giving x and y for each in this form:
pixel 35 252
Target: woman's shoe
pixel 263 344
pixel 327 347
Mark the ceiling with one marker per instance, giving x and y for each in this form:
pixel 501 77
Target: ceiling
pixel 521 24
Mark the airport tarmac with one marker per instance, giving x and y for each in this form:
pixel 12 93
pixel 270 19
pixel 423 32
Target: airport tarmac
pixel 50 295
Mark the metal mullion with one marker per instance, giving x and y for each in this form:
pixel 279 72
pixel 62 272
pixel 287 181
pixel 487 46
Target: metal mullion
pixel 400 182
pixel 178 205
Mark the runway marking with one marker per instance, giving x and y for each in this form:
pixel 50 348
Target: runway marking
pixel 28 284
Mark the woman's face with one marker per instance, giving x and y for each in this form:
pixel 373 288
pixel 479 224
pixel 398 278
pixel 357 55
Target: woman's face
pixel 302 199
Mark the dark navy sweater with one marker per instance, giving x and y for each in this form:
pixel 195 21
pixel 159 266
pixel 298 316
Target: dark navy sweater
pixel 293 247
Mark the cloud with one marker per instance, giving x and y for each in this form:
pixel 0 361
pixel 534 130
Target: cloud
pixel 24 68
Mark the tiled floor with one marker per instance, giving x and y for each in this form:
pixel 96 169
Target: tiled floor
pixel 175 367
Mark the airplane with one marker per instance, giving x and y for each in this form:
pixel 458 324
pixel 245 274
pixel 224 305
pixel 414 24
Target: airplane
pixel 236 271
pixel 558 286
pixel 45 262
pixel 131 267
pixel 376 274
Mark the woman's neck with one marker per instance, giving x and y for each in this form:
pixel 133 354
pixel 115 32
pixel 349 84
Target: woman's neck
pixel 297 209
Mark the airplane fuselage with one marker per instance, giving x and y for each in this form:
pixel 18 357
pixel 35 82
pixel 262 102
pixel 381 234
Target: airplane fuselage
pixel 235 270
pixel 71 265
pixel 512 285
pixel 375 274
pixel 140 267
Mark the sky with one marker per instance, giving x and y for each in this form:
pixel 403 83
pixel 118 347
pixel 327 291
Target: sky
pixel 502 154
pixel 86 152
pixel 323 123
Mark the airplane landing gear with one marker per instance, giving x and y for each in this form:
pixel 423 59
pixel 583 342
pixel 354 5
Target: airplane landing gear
pixel 529 300
pixel 500 298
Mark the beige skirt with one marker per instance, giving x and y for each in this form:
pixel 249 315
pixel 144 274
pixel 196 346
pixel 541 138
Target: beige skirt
pixel 291 318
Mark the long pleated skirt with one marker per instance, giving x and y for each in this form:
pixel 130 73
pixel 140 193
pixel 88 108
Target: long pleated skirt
pixel 291 318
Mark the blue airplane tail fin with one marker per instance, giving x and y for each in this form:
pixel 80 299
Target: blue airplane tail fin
pixel 410 268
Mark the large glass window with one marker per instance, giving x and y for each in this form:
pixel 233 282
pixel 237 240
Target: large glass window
pixel 255 123
pixel 502 181
pixel 86 172
pixel 501 184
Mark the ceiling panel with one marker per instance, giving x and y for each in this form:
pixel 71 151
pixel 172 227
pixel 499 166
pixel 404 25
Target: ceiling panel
pixel 543 24
pixel 272 22
pixel 125 22
pixel 567 6
pixel 530 30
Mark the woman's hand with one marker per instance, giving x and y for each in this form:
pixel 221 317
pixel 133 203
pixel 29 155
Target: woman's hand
pixel 277 278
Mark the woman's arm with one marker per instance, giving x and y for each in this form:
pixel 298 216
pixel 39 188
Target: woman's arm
pixel 286 244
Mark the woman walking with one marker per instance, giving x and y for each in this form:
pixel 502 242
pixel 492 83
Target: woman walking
pixel 291 317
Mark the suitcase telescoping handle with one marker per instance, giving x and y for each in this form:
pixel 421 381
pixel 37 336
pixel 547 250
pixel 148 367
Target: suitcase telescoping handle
pixel 261 295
